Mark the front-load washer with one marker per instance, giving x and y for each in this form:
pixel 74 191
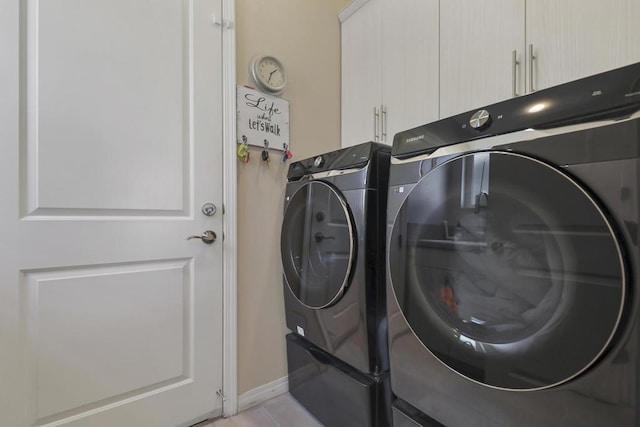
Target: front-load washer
pixel 334 285
pixel 513 261
pixel 332 248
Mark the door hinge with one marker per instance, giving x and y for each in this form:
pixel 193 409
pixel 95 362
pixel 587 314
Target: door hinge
pixel 221 395
pixel 224 23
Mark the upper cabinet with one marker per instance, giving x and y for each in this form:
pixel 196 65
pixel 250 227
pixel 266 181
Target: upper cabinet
pixel 389 68
pixel 481 53
pixel 572 39
pixel 410 90
pixel 408 62
pixel 504 48
pixel 361 72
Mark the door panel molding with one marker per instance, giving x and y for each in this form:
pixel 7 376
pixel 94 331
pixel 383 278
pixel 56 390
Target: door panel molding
pixel 109 70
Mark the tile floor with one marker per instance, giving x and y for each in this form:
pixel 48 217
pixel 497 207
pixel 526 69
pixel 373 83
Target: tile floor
pixel 280 411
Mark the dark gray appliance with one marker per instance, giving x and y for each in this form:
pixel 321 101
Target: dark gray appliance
pixel 332 248
pixel 513 261
pixel 335 393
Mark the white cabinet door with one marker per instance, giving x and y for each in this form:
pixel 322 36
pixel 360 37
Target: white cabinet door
pixel 361 74
pixel 409 65
pixel 110 141
pixel 575 38
pixel 477 41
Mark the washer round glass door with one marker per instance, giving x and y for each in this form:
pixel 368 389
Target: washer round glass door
pixel 317 244
pixel 507 270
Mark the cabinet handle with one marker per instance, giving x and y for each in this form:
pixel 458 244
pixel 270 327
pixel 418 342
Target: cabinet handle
pixel 532 58
pixel 515 63
pixel 376 118
pixel 383 109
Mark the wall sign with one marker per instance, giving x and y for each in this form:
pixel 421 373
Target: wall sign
pixel 262 117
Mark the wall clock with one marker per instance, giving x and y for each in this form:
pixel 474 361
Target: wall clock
pixel 268 74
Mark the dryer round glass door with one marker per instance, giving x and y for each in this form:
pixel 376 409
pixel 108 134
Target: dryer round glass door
pixel 317 244
pixel 507 270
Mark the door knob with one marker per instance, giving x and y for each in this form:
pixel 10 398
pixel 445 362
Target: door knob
pixel 209 209
pixel 207 237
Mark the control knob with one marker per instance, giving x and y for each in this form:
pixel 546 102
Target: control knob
pixel 318 161
pixel 480 119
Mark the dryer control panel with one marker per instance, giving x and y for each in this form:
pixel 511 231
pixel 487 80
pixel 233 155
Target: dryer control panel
pixel 611 94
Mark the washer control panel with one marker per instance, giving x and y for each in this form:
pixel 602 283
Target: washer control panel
pixel 481 119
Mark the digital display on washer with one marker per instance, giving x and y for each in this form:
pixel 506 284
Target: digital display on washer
pixel 317 244
pixel 499 263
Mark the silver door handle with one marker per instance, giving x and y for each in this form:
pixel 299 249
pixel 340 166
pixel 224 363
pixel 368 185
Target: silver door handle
pixel 207 237
pixel 376 115
pixel 532 57
pixel 376 118
pixel 515 63
pixel 384 122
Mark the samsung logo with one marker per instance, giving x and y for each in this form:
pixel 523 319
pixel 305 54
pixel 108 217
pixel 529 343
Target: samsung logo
pixel 414 138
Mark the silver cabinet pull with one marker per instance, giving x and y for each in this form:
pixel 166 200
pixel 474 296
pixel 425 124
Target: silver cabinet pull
pixel 206 237
pixel 515 63
pixel 383 126
pixel 376 119
pixel 532 57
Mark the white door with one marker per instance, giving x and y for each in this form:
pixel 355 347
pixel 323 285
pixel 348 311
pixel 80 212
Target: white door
pixel 477 41
pixel 110 143
pixel 573 39
pixel 410 70
pixel 362 75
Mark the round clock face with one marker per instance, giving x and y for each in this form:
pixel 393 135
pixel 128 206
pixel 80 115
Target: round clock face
pixel 268 73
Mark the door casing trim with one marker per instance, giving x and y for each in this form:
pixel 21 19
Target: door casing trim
pixel 229 306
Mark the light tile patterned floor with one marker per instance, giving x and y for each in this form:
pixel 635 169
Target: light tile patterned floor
pixel 281 411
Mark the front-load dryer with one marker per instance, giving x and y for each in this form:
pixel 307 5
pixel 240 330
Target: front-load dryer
pixel 332 248
pixel 513 261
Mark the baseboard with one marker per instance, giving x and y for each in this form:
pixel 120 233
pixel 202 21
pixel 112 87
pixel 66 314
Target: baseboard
pixel 263 393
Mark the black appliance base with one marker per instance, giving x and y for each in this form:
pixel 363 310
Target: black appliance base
pixel 333 391
pixel 405 415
